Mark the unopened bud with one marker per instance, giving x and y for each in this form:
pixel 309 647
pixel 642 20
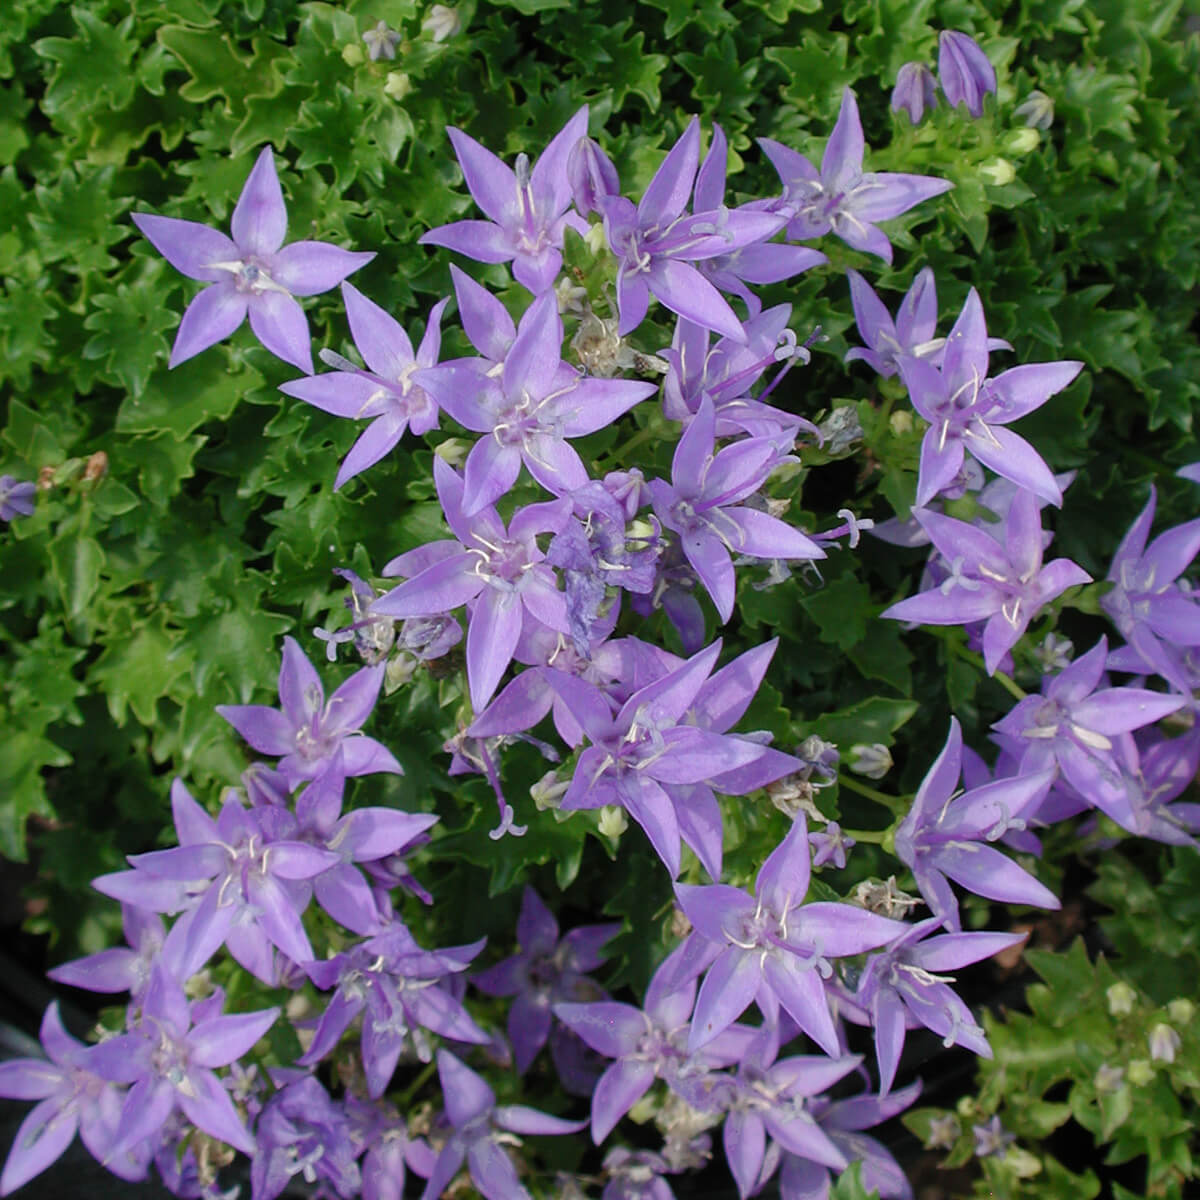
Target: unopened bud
pixel 1181 1011
pixel 442 22
pixel 1037 110
pixel 1109 1079
pixel 646 1109
pixel 1140 1072
pixel 397 85
pixel 549 791
pixel 1121 999
pixel 873 761
pixel 613 821
pixel 353 55
pixel 1164 1043
pixel 998 172
pixel 96 468
pixel 900 423
pixel 1022 141
pixel 400 670
pixel 594 239
pixel 453 451
pixel 943 1133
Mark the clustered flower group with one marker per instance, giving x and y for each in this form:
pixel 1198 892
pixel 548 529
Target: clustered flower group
pixel 647 734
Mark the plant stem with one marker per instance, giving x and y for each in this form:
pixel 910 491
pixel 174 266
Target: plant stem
pixel 892 803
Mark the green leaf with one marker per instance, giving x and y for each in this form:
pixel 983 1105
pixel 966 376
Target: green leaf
pixel 872 720
pixel 23 756
pixel 218 69
pixel 841 611
pixel 201 390
pixel 92 68
pixel 76 563
pixel 139 666
pixel 242 647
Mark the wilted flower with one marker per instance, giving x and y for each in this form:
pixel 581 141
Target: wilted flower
pixel 442 22
pixel 991 1138
pixel 1037 110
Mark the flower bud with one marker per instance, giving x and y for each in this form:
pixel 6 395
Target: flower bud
pixel 1109 1079
pixel 1037 110
pixel 1022 141
pixel 592 176
pixel 397 85
pixel 1140 1072
pixel 1164 1043
pixel 998 172
pixel 915 91
pixel 964 71
pixel 442 23
pixel 873 761
pixel 353 55
pixel 549 791
pixel 453 451
pixel 900 423
pixel 1121 999
pixel 1181 1011
pixel 613 821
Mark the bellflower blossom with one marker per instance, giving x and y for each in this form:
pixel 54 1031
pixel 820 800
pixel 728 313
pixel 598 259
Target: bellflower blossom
pixel 656 244
pixel 170 1062
pixel 306 730
pixel 399 990
pixel 638 757
pixel 546 972
pixel 1147 604
pixel 527 413
pixel 945 832
pixel 703 504
pixel 238 884
pixel 772 948
pixel 647 1043
pixel 72 1098
pixel 480 1128
pixel 840 197
pixel 968 411
pixel 842 1121
pixel 759 262
pixel 1070 727
pixel 526 210
pixel 900 989
pixel 726 372
pixel 384 393
pixel 251 273
pixel 1004 586
pixel 303 1132
pixel 502 570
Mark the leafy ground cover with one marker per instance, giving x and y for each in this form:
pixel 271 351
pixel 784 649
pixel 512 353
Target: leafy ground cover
pixel 186 519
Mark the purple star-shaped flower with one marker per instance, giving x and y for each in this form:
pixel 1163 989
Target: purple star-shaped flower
pixel 547 971
pixel 1070 727
pixel 169 1061
pixel 656 242
pixel 71 1097
pixel 526 210
pixel 251 273
pixel 1005 585
pixel 502 570
pixel 306 731
pixel 1146 603
pixel 385 393
pixel 703 505
pixel 901 989
pixel 772 948
pixel 968 411
pixel 480 1129
pixel 840 197
pixel 527 413
pixel 945 835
